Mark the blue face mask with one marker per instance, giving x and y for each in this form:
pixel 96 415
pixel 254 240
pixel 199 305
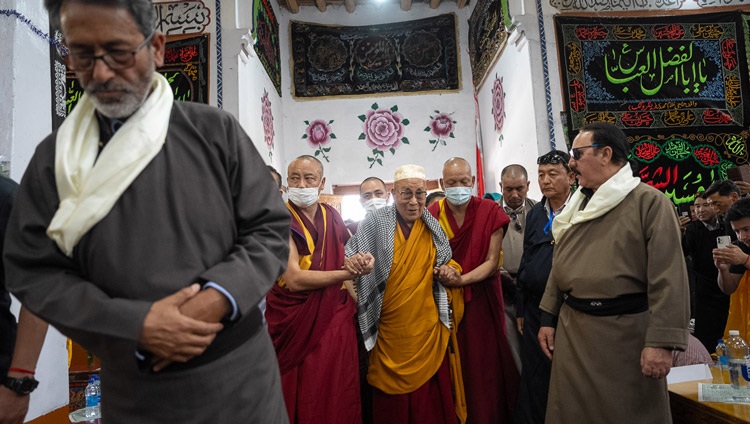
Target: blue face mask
pixel 458 195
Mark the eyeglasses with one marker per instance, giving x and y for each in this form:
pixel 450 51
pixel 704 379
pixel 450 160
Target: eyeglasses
pixel 407 195
pixel 516 224
pixel 576 152
pixel 115 59
pixel 552 158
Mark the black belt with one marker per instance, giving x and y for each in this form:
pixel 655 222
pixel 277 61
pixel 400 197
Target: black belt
pixel 626 304
pixel 231 337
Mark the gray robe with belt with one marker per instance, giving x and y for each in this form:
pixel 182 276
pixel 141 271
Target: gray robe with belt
pixel 204 209
pixel 596 370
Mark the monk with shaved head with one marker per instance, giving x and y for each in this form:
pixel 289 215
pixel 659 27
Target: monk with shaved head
pixel 310 314
pixel 475 229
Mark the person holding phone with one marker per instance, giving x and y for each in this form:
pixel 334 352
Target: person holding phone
pixel 733 261
pixel 709 305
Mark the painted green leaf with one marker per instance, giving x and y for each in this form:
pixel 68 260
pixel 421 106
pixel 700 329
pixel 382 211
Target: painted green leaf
pixel 443 142
pixel 362 118
pixel 317 152
pixel 330 122
pixel 307 122
pixel 405 121
pixel 304 136
pixel 452 136
pixel 404 140
pixel 374 106
pixel 427 128
pixel 326 149
pixel 361 136
pixel 333 136
pixel 394 108
pixel 393 151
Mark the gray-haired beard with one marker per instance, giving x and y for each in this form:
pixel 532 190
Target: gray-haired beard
pixel 130 101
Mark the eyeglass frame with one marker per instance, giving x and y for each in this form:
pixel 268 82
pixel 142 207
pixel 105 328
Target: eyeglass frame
pixel 419 195
pixel 69 60
pixel 553 160
pixel 574 150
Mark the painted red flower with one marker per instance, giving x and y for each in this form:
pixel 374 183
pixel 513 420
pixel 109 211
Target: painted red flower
pixel 441 125
pixel 498 104
pixel 383 129
pixel 318 132
pixel 267 118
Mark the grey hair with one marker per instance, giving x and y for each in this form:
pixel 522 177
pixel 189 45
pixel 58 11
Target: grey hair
pixel 142 11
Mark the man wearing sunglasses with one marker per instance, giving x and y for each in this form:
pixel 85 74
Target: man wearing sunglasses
pixel 618 290
pixel 555 181
pixel 148 230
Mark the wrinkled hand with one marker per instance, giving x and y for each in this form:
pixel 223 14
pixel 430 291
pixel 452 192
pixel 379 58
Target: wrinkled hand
pixel 730 255
pixel 447 276
pixel 172 336
pixel 546 338
pixel 13 408
pixel 359 264
pixel 655 362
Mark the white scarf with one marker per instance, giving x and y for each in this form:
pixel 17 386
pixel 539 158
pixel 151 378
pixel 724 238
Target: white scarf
pixel 88 188
pixel 605 198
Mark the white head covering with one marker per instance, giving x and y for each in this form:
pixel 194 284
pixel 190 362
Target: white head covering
pixel 409 171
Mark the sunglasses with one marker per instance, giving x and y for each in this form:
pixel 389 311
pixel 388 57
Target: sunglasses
pixel 552 159
pixel 516 224
pixel 576 152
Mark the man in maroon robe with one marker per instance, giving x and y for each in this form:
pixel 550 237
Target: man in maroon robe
pixel 309 311
pixel 475 228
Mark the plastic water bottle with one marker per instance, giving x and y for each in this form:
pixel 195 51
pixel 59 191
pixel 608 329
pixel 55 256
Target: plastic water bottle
pixel 721 359
pixel 92 399
pixel 738 355
pixel 98 385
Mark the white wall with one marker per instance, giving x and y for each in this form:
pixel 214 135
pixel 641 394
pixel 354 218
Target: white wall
pixel 520 137
pixel 348 155
pixel 25 120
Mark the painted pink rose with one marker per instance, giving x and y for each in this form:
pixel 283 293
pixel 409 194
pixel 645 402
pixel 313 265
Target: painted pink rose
pixel 318 133
pixel 383 129
pixel 267 118
pixel 498 104
pixel 441 125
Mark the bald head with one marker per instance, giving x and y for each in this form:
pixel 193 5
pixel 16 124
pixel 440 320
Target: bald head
pixel 312 161
pixel 514 182
pixel 457 164
pixel 514 171
pixel 304 172
pixel 456 173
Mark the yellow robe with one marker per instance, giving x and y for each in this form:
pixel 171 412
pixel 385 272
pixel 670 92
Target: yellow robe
pixel 739 309
pixel 412 341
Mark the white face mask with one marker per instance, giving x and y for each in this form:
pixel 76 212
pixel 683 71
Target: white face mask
pixel 303 197
pixel 458 195
pixel 374 204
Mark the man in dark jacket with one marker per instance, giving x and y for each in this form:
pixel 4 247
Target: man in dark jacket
pixel 555 180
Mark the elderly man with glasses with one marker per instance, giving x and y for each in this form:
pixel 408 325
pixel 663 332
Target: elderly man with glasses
pixel 618 290
pixel 555 181
pixel 148 230
pixel 409 308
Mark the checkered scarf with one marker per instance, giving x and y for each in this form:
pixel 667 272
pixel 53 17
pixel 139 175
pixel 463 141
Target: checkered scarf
pixel 376 234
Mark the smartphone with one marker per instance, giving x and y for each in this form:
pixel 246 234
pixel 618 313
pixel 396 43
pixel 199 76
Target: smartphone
pixel 723 241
